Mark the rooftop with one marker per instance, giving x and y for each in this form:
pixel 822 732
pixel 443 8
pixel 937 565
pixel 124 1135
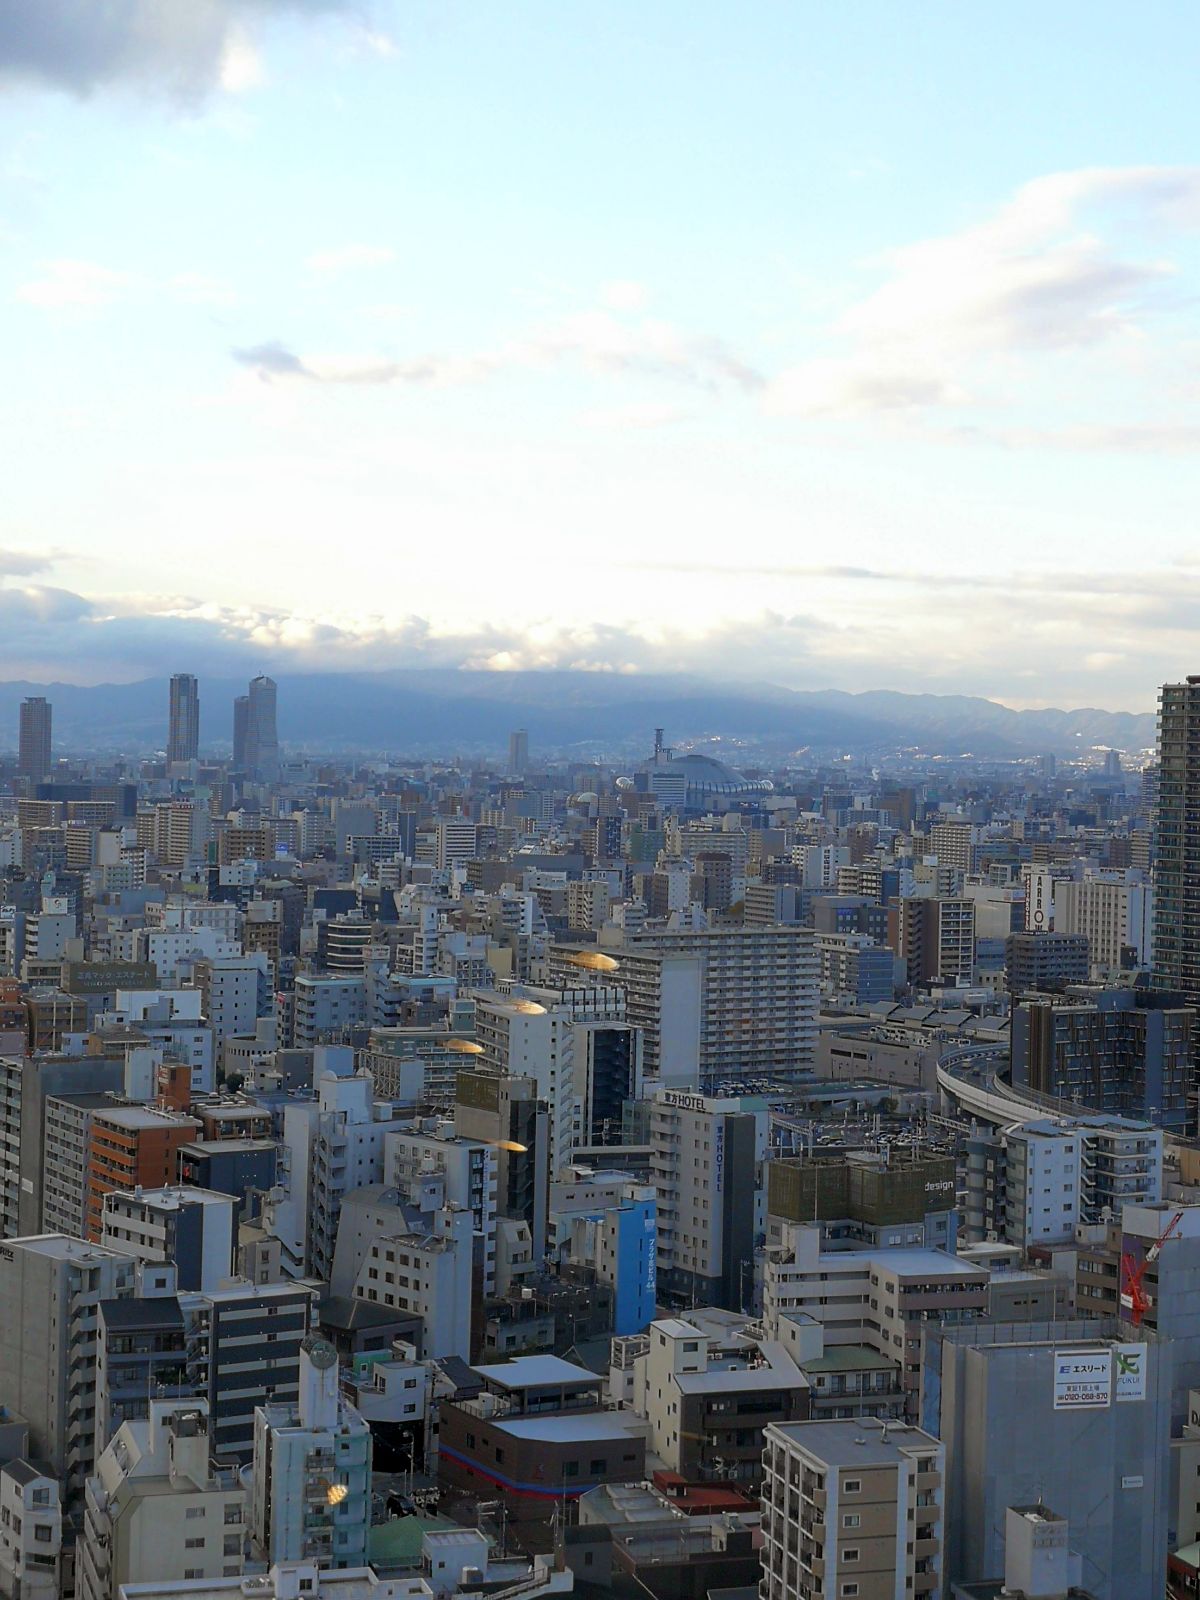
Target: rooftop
pixel 536 1372
pixel 853 1441
pixel 572 1427
pixel 849 1358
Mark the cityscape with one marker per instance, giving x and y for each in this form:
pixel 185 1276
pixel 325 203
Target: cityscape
pixel 528 1176
pixel 599 801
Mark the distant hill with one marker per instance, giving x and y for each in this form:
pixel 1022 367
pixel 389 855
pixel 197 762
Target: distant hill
pixel 586 713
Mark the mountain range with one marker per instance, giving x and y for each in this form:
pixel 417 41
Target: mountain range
pixel 445 711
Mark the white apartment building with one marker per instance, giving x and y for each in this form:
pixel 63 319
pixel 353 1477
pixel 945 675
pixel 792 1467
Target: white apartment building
pixel 525 1038
pixel 759 995
pixel 50 1287
pixel 456 840
pixel 311 1497
pixel 30 1533
pixel 468 1171
pixel 158 1508
pixel 331 1145
pixel 1114 910
pixel 877 1298
pixel 428 1272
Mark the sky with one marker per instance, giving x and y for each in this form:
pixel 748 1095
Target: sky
pixel 849 346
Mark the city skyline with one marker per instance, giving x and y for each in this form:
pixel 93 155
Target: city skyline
pixel 746 352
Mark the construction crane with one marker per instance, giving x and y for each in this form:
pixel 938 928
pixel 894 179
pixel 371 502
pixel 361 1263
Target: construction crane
pixel 1134 1298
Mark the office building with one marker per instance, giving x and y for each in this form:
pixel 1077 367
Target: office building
pixel 312 1471
pixel 518 752
pixel 261 738
pixel 1070 1415
pixel 855 971
pixel 1049 961
pixel 183 728
pixel 607 1223
pixel 935 939
pixel 241 730
pixel 880 1299
pixel 1114 911
pixel 33 756
pixel 535 1437
pixel 132 1147
pixel 506 1112
pixel 705 1164
pixel 1123 1050
pixel 851 1507
pixel 50 1291
pixel 194 1229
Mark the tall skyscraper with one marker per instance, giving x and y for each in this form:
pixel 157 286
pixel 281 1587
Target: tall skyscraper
pixel 183 734
pixel 1177 857
pixel 34 749
pixel 518 751
pixel 262 740
pixel 241 724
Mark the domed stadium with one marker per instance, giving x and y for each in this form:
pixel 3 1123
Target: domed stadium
pixel 704 779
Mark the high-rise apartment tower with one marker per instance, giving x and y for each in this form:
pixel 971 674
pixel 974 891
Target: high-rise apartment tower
pixel 183 733
pixel 1177 864
pixel 34 749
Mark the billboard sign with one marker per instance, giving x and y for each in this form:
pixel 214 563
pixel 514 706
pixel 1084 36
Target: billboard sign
pixel 1082 1379
pixel 1129 1371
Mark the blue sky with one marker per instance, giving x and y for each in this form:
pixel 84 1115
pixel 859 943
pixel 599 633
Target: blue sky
pixel 831 345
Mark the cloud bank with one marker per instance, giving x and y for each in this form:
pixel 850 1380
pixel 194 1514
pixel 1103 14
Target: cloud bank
pixel 182 48
pixel 1045 637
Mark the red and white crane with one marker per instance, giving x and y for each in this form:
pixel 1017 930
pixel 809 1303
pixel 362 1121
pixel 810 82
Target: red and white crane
pixel 1134 1298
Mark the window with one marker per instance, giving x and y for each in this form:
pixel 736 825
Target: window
pixel 852 1486
pixel 42 1534
pixel 851 1520
pixel 193 1572
pixel 194 1544
pixel 571 1470
pixel 596 1468
pixel 850 1555
pixel 193 1512
pixel 849 1588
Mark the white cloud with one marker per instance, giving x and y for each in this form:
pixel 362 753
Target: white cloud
pixel 74 283
pixel 1039 276
pixel 241 64
pixel 195 288
pixel 349 257
pixel 634 415
pixel 598 340
pixel 624 295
